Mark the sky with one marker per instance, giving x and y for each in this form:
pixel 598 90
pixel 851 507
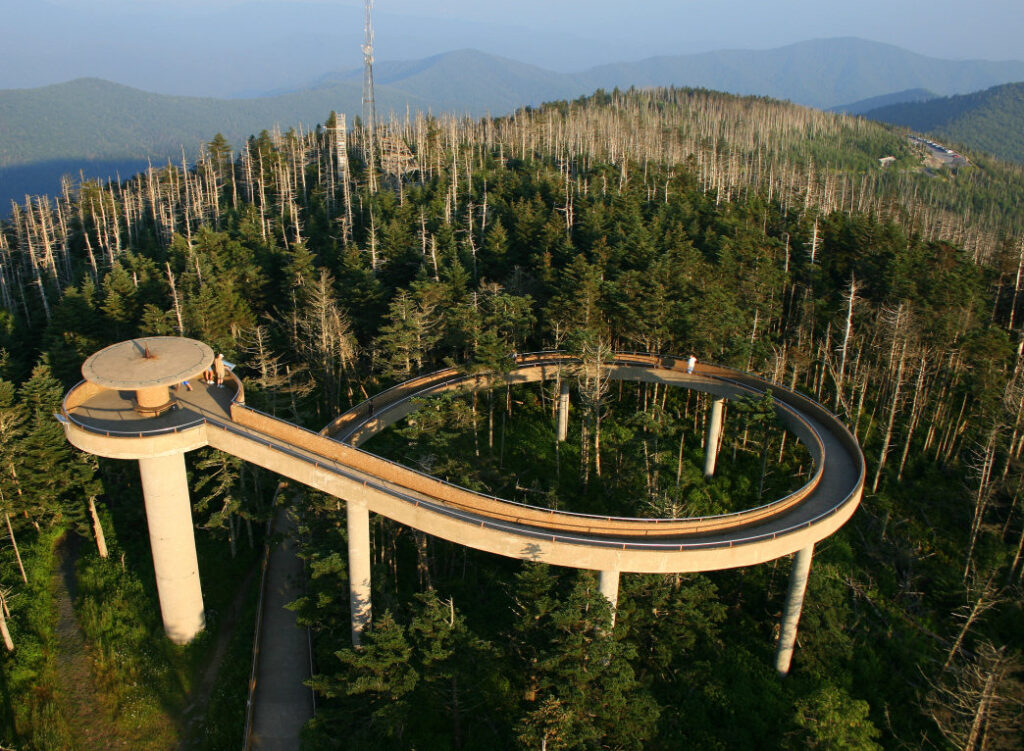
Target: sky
pixel 986 29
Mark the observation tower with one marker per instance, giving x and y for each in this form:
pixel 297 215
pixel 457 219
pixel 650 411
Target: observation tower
pixel 125 409
pixel 128 407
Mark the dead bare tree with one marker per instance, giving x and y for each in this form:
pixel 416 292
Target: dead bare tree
pixel 850 297
pixel 592 381
pixel 983 467
pixel 4 615
pixel 897 323
pixel 977 703
pixel 985 597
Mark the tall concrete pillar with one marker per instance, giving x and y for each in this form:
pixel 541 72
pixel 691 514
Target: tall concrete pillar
pixel 172 539
pixel 608 584
pixel 714 436
pixel 794 605
pixel 358 568
pixel 563 412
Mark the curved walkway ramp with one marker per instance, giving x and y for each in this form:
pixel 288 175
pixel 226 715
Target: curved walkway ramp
pixel 103 422
pixel 584 541
pixel 434 506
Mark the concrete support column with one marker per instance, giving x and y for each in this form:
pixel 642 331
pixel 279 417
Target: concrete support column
pixel 608 583
pixel 172 539
pixel 563 412
pixel 152 398
pixel 714 436
pixel 794 605
pixel 358 568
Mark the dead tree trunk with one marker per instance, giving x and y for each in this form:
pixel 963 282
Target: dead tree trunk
pixel 14 544
pixel 97 528
pixel 851 298
pixel 981 496
pixel 8 642
pixel 892 410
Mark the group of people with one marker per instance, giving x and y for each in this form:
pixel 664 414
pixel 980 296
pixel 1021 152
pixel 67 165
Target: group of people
pixel 213 374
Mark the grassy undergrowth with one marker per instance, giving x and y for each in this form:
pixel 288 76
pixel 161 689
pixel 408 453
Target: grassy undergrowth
pixel 29 676
pixel 223 723
pixel 136 684
pixel 149 681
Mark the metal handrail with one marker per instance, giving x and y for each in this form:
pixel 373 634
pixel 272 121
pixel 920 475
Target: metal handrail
pixel 576 514
pixel 66 413
pixel 534 532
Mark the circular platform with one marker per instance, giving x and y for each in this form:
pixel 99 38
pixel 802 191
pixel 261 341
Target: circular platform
pixel 147 362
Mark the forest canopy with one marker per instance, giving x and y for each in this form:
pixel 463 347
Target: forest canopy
pixel 750 232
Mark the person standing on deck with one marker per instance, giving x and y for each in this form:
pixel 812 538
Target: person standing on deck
pixel 219 369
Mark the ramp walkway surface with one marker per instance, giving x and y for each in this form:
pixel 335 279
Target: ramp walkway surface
pixel 282 703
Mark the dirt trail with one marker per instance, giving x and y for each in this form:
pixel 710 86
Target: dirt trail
pixel 91 723
pixel 77 692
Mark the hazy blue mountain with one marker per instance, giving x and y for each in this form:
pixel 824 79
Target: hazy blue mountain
pixel 105 128
pixel 47 129
pixel 97 119
pixel 991 120
pixel 468 81
pixel 885 100
pixel 820 73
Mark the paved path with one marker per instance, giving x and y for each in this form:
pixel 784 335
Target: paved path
pixel 281 703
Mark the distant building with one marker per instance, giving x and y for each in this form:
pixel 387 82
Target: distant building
pixel 885 161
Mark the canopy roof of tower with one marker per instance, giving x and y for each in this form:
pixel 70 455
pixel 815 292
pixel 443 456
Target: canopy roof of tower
pixel 147 362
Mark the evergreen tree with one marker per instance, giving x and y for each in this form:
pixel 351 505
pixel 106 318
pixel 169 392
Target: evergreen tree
pixel 380 672
pixel 832 719
pixel 53 480
pixel 581 690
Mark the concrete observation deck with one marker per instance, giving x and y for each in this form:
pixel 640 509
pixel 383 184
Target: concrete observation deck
pixel 148 367
pixel 104 422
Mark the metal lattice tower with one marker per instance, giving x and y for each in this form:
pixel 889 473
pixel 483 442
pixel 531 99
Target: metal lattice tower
pixel 369 106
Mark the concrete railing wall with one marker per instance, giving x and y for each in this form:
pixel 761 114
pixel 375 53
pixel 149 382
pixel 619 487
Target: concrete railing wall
pixel 80 394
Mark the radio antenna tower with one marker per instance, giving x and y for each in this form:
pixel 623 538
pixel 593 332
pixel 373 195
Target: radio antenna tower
pixel 369 106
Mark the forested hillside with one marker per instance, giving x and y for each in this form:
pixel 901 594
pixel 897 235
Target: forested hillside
pixel 990 120
pixel 747 231
pixel 95 119
pixel 885 100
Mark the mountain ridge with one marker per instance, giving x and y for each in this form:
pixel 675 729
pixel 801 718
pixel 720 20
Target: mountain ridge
pixel 897 97
pixel 991 120
pixel 819 73
pixel 91 120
